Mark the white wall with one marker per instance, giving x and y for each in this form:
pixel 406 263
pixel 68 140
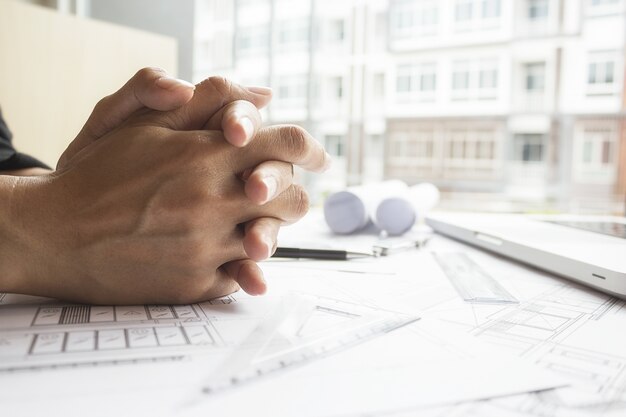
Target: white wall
pixel 165 17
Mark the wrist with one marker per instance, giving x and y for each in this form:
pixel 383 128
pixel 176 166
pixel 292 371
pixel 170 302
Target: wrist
pixel 21 242
pixel 12 273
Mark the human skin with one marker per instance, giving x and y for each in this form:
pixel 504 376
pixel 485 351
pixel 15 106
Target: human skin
pixel 191 222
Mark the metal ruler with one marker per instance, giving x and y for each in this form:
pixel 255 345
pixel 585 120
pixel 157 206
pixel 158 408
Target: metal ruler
pixel 472 283
pixel 302 329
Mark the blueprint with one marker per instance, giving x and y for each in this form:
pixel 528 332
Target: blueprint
pixel 458 359
pixel 561 326
pixel 50 334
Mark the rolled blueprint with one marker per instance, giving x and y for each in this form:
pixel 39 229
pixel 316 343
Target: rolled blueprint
pixel 397 215
pixel 353 209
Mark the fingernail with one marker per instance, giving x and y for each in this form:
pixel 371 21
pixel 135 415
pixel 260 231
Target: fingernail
pixel 269 244
pixel 248 127
pixel 264 281
pixel 272 185
pixel 170 83
pixel 264 91
pixel 328 161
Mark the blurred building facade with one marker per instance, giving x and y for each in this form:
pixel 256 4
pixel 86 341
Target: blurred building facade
pixel 519 97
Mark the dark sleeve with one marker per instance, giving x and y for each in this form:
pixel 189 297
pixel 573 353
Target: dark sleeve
pixel 10 159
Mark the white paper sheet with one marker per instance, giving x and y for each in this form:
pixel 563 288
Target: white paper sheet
pixel 564 327
pixel 159 363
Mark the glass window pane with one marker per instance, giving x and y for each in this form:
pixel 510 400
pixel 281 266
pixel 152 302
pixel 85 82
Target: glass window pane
pixel 463 10
pixel 609 72
pixel 593 69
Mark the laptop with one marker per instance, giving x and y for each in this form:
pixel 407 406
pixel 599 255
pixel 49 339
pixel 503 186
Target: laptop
pixel 588 249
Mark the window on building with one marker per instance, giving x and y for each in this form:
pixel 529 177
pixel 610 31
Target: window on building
pixel 460 76
pixel 537 9
pixel 597 147
pixel 402 18
pixel 424 146
pixel 488 79
pixel 293 33
pixel 428 17
pixel 490 9
pixel 336 88
pixel 405 81
pixel 604 7
pixel 485 149
pixel 252 40
pixel 602 72
pixel 335 145
pixel 456 145
pixel 428 78
pixel 292 89
pixel 595 157
pixel 464 10
pixel 471 145
pixel 412 78
pixel 535 77
pixel 336 31
pixel 398 148
pixel 488 75
pixel 413 19
pixel 603 2
pixel 529 147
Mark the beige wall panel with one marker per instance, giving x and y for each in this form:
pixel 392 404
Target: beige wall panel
pixel 54 68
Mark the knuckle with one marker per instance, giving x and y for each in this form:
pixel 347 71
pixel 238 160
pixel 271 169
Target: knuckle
pixel 300 200
pixel 195 259
pixel 103 103
pixel 191 217
pixel 294 139
pixel 176 118
pixel 148 73
pixel 222 85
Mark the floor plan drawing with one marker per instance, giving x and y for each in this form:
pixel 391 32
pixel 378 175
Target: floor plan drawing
pixel 34 336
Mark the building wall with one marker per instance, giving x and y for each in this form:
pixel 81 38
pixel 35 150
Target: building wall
pixel 541 80
pixel 562 135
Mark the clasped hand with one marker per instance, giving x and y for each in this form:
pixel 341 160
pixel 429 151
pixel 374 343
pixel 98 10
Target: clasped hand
pixel 166 196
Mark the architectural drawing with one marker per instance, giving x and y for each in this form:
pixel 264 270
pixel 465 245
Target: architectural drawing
pixel 35 336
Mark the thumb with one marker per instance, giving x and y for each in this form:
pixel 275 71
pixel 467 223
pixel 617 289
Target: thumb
pixel 149 88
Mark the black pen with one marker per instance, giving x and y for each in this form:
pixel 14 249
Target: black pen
pixel 321 254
